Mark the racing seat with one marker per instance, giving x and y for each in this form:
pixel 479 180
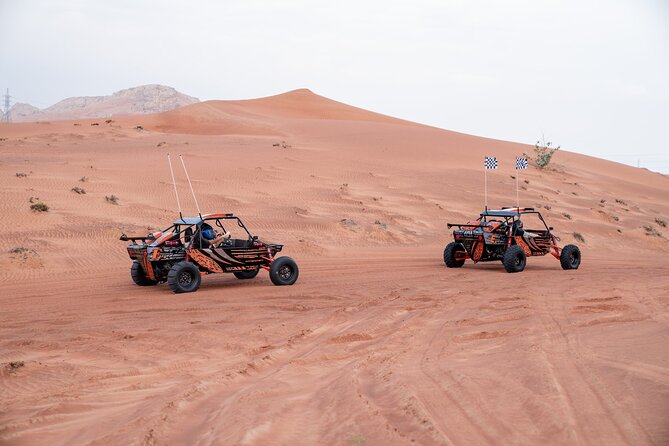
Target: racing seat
pixel 518 230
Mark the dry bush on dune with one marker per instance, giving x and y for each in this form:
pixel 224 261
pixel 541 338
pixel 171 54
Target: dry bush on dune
pixel 22 251
pixel 14 366
pixel 579 237
pixel 651 231
pixel 282 144
pixel 113 199
pixel 661 222
pixel 83 179
pixel 567 216
pixel 21 175
pixel 39 207
pixel 78 190
pixel 380 224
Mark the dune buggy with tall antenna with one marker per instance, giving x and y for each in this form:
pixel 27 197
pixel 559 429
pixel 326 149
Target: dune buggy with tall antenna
pixel 499 235
pixel 193 247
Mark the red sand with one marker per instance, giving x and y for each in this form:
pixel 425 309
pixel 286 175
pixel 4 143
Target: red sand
pixel 378 342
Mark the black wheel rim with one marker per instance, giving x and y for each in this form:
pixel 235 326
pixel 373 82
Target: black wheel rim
pixel 185 278
pixel 285 272
pixel 573 259
pixel 519 260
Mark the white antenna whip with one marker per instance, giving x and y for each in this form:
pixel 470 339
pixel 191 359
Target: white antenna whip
pixel 174 183
pixel 191 186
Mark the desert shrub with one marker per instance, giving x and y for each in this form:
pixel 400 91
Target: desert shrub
pixel 651 231
pixel 567 216
pixel 621 202
pixel 113 199
pixel 22 250
pixel 15 365
pixel 579 237
pixel 543 152
pixel 615 217
pixel 39 207
pixel 83 179
pixel 661 222
pixel 21 174
pixel 282 144
pixel 78 190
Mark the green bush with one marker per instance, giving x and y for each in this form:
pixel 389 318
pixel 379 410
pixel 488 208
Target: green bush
pixel 543 152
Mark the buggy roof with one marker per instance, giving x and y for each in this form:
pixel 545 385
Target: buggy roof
pixel 188 221
pixel 507 212
pixel 200 219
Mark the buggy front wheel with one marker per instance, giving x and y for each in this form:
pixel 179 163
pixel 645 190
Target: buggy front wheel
pixel 283 271
pixel 570 257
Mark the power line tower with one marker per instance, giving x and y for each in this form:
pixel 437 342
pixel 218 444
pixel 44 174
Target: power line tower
pixel 6 103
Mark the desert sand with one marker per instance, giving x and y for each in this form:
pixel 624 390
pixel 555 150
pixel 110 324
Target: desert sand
pixel 378 342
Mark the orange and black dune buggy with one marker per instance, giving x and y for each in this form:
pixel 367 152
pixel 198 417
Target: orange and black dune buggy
pixel 499 235
pixel 196 246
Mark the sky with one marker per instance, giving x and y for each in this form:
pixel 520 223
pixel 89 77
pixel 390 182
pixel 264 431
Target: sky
pixel 591 76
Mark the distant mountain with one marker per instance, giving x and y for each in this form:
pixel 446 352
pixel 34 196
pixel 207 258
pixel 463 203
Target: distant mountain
pixel 138 100
pixel 21 111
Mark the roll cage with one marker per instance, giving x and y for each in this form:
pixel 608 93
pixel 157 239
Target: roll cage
pixel 506 217
pixel 188 229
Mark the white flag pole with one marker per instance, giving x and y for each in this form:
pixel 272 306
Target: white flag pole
pixel 517 193
pixel 485 169
pixel 174 183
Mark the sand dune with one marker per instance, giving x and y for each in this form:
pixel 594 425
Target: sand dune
pixel 377 343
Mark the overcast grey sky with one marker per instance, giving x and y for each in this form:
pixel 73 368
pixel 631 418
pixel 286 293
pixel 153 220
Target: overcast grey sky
pixel 592 75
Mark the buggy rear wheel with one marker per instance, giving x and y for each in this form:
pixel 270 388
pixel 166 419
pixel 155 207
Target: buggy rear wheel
pixel 283 271
pixel 139 275
pixel 451 253
pixel 184 277
pixel 514 259
pixel 248 274
pixel 570 258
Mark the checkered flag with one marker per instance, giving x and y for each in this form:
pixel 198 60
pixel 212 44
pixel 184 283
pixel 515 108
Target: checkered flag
pixel 490 162
pixel 521 163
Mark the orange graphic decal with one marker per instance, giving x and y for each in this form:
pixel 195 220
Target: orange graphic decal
pixel 521 242
pixel 478 252
pixel 204 261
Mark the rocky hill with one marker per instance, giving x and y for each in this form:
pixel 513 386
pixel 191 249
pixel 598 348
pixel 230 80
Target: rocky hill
pixel 137 100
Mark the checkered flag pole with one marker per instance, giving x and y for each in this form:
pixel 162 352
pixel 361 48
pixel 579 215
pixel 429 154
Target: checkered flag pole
pixel 489 162
pixel 521 163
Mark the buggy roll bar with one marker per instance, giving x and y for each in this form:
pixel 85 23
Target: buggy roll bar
pixel 450 225
pixel 125 238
